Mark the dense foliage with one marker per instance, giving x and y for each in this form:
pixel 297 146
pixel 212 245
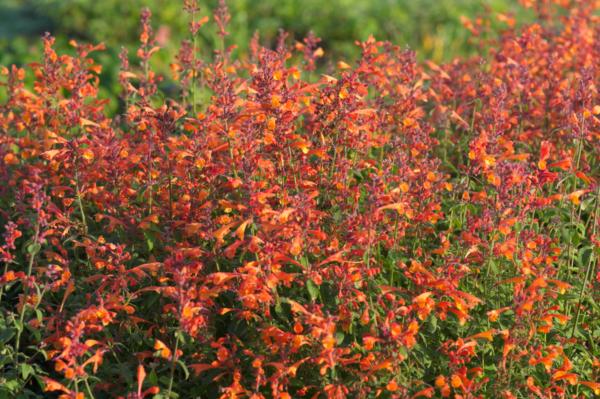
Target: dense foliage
pixel 393 229
pixel 430 27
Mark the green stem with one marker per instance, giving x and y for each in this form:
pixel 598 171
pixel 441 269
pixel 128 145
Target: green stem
pixel 21 327
pixel 88 388
pixel 2 287
pixel 589 269
pixel 79 202
pixel 172 372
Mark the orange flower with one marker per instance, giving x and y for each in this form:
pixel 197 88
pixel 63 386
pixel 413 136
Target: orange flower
pixel 392 386
pixel 163 350
pixel 455 381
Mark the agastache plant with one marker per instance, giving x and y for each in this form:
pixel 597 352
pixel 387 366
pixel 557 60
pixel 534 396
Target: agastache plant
pixel 287 226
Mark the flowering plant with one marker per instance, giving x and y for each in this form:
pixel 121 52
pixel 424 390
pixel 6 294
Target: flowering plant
pixel 390 228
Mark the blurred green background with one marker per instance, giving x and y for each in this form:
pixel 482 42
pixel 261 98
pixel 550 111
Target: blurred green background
pixel 431 27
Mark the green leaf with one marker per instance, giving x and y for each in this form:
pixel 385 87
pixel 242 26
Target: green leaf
pixel 26 370
pixel 403 351
pixel 6 334
pixel 432 324
pixel 12 385
pixel 584 256
pixel 152 378
pixel 313 289
pixel 304 262
pixel 279 310
pixel 33 248
pixel 184 368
